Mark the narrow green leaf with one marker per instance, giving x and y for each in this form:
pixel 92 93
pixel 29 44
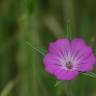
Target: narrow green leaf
pixel 91 74
pixel 58 83
pixel 36 49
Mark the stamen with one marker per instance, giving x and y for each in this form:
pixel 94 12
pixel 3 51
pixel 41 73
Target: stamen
pixel 69 65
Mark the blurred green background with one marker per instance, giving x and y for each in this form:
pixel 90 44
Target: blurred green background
pixel 41 22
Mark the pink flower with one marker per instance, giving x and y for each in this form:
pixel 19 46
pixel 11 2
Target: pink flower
pixel 67 59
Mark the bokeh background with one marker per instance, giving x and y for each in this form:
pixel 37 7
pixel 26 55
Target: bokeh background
pixel 41 22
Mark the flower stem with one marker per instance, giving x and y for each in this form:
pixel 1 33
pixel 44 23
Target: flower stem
pixel 69 34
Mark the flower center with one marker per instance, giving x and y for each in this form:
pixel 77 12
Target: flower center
pixel 69 65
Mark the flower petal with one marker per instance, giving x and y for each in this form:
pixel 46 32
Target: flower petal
pixel 80 49
pixel 58 46
pixel 77 43
pixel 50 62
pixel 87 64
pixel 65 74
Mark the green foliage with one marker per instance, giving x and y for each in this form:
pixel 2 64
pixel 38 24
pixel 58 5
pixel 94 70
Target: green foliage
pixel 41 22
